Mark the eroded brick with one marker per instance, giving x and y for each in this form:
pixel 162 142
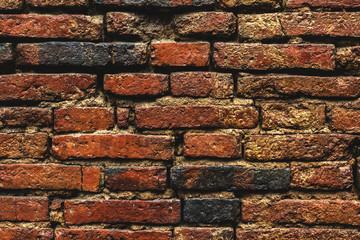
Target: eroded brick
pixel 32 209
pixel 185 233
pixel 322 3
pixel 345 119
pixel 57 3
pixel 25 116
pixel 26 233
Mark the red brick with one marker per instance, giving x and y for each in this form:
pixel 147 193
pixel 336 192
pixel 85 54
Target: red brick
pixel 206 23
pixel 180 54
pixel 57 3
pixel 212 145
pixel 161 4
pixel 83 119
pixel 293 86
pixel 123 146
pixel 136 84
pixel 25 116
pixel 78 27
pixel 11 4
pixel 202 84
pixel 98 234
pixel 297 233
pixel 274 56
pixel 136 179
pixel 184 233
pixel 292 116
pixel 26 233
pixel 196 116
pixel 23 145
pixel 306 147
pixel 122 211
pixel 324 177
pixel 273 25
pixel 345 119
pixel 302 211
pixel 252 4
pixel 123 23
pixel 32 209
pixel 46 87
pixel 323 3
pixel 348 58
pixel 91 177
pixel 122 117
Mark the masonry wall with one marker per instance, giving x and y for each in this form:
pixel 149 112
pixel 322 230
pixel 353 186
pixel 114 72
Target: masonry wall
pixel 168 119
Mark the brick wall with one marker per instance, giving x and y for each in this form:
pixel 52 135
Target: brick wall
pixel 168 119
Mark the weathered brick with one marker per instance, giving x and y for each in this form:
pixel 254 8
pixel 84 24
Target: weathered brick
pixel 23 145
pixel 155 3
pixel 129 54
pixel 122 115
pixel 323 177
pixel 202 84
pixel 345 119
pixel 83 119
pixel 208 210
pixel 212 145
pixel 26 233
pixel 297 233
pixel 229 178
pixel 57 3
pixel 196 54
pixel 32 209
pixel 97 234
pixel 306 147
pixel 79 27
pixel 302 211
pixel 185 233
pixel 125 24
pixel 292 116
pixel 136 84
pixel 348 58
pixel 64 54
pixel 196 116
pixel 123 146
pixel 136 179
pixel 11 4
pixel 322 3
pixel 274 56
pixel 273 25
pixel 122 211
pixel 6 53
pixel 256 4
pixel 91 177
pixel 46 87
pixel 294 86
pixel 205 24
pixel 25 116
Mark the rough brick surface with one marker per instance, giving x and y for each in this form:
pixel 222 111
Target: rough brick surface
pixel 78 27
pixel 85 234
pixel 138 84
pixel 183 233
pixel 299 147
pixel 125 146
pixel 202 84
pixel 273 56
pixel 136 179
pixel 50 87
pixel 122 211
pixel 56 3
pixel 83 119
pixel 153 3
pixel 303 211
pixel 250 3
pixel 323 3
pixel 129 54
pixel 348 58
pixel 180 54
pixel 25 116
pixel 6 53
pixel 345 119
pixel 23 145
pixel 294 86
pixel 196 117
pixel 24 209
pixel 26 233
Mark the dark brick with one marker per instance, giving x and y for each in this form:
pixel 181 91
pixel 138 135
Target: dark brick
pixel 136 179
pixel 26 233
pixel 348 58
pixel 156 3
pixel 295 86
pixel 122 211
pixel 210 210
pixel 25 116
pixel 46 87
pixel 257 56
pixel 129 54
pixel 64 54
pixel 6 53
pixel 322 3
